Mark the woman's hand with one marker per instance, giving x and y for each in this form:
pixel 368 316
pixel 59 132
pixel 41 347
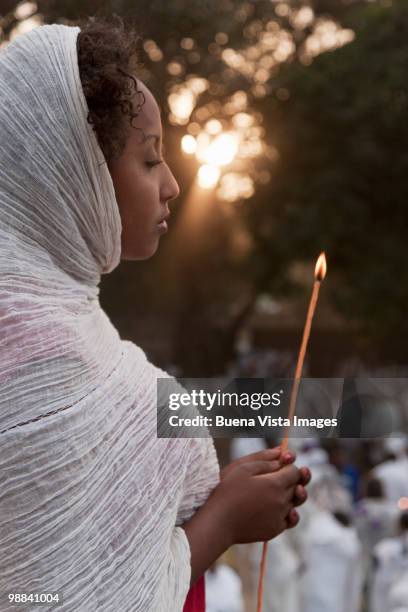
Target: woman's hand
pixel 257 494
pixel 273 455
pixel 254 501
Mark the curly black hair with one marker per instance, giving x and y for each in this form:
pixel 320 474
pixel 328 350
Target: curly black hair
pixel 108 61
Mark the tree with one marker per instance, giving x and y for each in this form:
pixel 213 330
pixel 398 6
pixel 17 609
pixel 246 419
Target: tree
pixel 341 182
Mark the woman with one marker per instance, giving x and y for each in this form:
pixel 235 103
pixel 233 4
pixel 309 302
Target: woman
pixel 94 507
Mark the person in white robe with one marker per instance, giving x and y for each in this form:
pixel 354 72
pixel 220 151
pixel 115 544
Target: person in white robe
pixel 390 558
pixel 281 582
pixel 223 589
pixel 398 599
pixel 332 579
pixel 92 503
pixel 375 519
pixel 393 472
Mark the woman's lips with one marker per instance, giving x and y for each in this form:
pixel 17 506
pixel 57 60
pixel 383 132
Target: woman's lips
pixel 162 226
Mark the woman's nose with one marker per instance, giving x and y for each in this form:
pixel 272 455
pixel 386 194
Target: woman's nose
pixel 172 187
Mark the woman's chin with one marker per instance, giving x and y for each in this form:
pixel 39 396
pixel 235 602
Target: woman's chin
pixel 139 254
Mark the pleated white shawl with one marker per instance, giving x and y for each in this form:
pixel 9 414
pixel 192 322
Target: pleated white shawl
pixel 90 500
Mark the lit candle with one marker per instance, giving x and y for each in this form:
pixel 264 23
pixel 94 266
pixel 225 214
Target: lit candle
pixel 320 273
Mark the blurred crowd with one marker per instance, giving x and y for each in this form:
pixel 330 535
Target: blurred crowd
pixel 349 552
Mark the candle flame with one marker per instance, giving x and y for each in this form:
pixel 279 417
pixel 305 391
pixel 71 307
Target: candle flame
pixel 321 267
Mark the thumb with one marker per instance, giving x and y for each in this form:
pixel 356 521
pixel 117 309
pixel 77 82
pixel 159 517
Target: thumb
pixel 288 457
pixel 255 468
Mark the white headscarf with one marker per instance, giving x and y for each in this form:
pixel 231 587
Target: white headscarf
pixel 89 497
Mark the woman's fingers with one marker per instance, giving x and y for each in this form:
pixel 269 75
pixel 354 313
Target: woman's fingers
pixel 256 468
pixel 292 519
pixel 288 457
pixel 289 476
pixel 300 495
pixel 269 454
pixel 269 461
pixel 306 475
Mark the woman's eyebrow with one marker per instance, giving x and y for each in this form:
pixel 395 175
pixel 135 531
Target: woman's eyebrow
pixel 156 139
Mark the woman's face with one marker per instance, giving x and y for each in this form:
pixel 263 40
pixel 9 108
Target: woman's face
pixel 143 182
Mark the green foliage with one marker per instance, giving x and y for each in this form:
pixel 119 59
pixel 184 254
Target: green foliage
pixel 342 177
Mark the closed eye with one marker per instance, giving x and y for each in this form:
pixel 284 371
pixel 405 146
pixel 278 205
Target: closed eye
pixel 155 162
